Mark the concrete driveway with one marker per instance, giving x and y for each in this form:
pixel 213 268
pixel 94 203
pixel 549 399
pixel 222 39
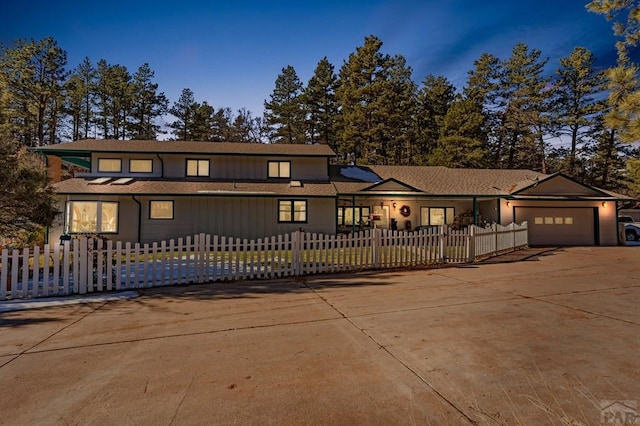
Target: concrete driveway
pixel 548 340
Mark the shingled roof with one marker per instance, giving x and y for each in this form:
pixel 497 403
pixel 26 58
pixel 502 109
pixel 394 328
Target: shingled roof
pixel 193 188
pixel 88 146
pixel 438 180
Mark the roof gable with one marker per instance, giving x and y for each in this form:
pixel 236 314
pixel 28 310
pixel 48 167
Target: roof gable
pixel 390 185
pixel 559 185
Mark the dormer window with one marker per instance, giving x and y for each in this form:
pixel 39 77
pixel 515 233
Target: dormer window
pixel 113 165
pixel 197 167
pixel 279 169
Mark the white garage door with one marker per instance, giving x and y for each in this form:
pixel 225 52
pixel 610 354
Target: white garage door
pixel 550 226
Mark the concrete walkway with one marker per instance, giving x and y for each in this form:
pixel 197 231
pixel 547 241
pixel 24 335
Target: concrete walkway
pixel 542 341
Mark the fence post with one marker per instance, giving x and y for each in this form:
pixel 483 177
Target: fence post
pixel 295 253
pixel 81 286
pixel 443 243
pixel 375 247
pixel 472 243
pixel 4 276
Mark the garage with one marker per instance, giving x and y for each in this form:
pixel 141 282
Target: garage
pixel 556 226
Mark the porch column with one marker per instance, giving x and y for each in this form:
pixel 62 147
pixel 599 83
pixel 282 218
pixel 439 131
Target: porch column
pixel 353 215
pixel 475 210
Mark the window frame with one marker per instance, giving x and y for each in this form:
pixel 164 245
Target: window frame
pixel 100 170
pixel 279 163
pixel 68 218
pixel 197 160
pixel 292 203
pixel 173 211
pixel 446 215
pixel 131 160
pixel 342 215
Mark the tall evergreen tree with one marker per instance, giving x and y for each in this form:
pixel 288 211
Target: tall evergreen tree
pixel 148 105
pixel 574 105
pixel 34 78
pixel 285 111
pixel 321 105
pixel 434 98
pixel 183 109
pixel 376 98
pixel 625 15
pixel 81 91
pixel 624 101
pixel 398 105
pixel 114 99
pixel 461 142
pixel 482 89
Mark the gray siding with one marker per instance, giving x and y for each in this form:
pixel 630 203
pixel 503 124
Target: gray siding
pixel 243 217
pixel 157 168
pixel 247 167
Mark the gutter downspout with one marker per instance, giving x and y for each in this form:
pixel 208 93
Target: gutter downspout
pixel 133 197
pixel 161 165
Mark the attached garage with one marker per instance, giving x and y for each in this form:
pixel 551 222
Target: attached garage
pixel 559 226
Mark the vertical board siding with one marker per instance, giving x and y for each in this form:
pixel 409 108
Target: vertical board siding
pixel 85 265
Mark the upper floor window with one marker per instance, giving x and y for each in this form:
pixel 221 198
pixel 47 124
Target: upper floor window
pixel 292 211
pixel 140 166
pixel 197 167
pixel 109 165
pixel 279 169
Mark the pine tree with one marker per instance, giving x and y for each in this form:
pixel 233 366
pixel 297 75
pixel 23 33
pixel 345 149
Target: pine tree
pixel 33 82
pixel 574 106
pixel 377 101
pixel 26 200
pixel 80 92
pixel 625 15
pixel 398 104
pixel 114 99
pixel 482 89
pixel 285 111
pixel 321 105
pixel 462 141
pixel 148 105
pixel 183 109
pixel 434 98
pixel 624 100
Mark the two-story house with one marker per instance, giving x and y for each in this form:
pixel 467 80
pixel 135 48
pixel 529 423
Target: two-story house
pixel 150 191
pixel 144 191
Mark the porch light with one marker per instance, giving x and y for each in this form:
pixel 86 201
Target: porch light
pixel 604 204
pixel 508 203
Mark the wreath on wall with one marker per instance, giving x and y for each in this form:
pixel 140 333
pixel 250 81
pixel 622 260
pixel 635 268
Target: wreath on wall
pixel 405 211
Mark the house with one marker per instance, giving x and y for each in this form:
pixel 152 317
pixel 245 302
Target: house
pixel 148 191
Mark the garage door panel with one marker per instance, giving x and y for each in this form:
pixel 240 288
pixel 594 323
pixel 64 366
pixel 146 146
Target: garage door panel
pixel 558 226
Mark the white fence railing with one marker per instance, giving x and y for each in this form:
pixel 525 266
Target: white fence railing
pixel 86 265
pixel 497 239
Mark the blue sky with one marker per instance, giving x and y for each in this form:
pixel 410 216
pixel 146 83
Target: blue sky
pixel 230 53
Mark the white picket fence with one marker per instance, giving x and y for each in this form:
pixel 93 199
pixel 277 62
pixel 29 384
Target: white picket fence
pixel 496 239
pixel 86 265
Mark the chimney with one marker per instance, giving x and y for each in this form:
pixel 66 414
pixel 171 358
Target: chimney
pixel 54 168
